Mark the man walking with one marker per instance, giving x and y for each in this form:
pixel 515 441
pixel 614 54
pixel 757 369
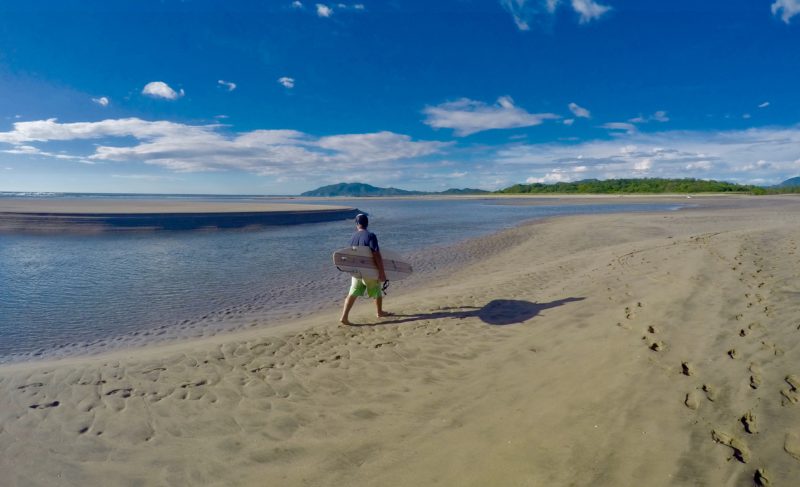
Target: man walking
pixel 364 238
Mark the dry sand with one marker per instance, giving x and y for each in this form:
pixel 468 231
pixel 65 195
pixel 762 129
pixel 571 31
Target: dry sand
pixel 631 349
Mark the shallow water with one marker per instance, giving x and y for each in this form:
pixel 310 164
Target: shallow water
pixel 63 294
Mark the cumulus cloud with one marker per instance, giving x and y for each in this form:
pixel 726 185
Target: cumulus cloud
pixel 589 10
pixel 745 156
pixel 615 126
pixel 659 116
pixel 579 111
pixel 286 81
pixel 227 84
pixel 524 12
pixel 467 116
pixel 324 11
pixel 191 148
pixel 756 155
pixel 159 89
pixel 103 101
pixel 28 150
pixel 786 8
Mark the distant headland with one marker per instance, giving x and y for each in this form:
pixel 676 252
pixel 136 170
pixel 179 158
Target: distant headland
pixel 362 189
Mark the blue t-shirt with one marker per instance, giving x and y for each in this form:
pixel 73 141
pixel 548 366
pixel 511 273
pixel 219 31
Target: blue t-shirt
pixel 365 238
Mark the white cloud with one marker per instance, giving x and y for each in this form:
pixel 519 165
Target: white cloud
pixel 467 116
pixel 746 116
pixel 699 166
pixel 227 84
pixel 589 10
pixel 188 148
pixel 788 9
pixel 144 177
pixel 520 11
pixel 286 82
pixel 764 105
pixel 159 89
pixel 659 116
pixel 102 101
pixel 643 165
pixel 29 150
pixel 745 156
pixel 359 6
pixel 568 121
pixel 524 12
pixel 579 111
pixel 627 127
pixel 324 10
pixel 297 4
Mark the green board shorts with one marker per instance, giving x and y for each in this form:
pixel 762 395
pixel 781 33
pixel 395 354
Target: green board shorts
pixel 371 286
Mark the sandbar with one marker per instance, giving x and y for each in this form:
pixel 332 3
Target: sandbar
pixel 102 215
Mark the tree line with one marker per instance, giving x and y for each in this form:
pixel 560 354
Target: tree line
pixel 644 185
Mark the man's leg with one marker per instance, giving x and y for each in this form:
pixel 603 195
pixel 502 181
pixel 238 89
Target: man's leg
pixel 379 306
pixel 348 305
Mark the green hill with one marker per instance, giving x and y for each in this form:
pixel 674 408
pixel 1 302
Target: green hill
pixel 789 183
pixel 358 189
pixel 362 189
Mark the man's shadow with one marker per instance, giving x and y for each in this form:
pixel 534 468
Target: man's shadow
pixel 497 312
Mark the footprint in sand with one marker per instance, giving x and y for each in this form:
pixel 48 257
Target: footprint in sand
pixel 760 478
pixel 740 450
pixel 657 346
pixel 792 445
pixel 687 369
pixel 711 393
pixel 790 394
pixel 45 405
pixel 749 422
pixel 691 401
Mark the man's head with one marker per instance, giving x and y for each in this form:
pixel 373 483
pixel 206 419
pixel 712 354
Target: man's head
pixel 362 220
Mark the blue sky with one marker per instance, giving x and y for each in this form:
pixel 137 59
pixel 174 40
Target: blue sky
pixel 281 96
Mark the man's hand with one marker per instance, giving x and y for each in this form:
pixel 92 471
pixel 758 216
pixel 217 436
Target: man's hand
pixel 378 258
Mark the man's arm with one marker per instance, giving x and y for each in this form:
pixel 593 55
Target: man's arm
pixel 376 256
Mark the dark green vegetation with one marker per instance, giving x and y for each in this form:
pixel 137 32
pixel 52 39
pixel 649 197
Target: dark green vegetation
pixel 587 186
pixel 645 185
pixel 361 189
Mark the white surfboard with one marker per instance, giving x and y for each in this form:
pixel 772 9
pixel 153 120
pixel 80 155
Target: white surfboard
pixel 358 262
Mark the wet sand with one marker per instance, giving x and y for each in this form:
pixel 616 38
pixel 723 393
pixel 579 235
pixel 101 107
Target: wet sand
pixel 103 215
pixel 628 349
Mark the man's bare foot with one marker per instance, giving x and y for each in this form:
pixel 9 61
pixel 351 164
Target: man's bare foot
pixel 345 322
pixel 384 314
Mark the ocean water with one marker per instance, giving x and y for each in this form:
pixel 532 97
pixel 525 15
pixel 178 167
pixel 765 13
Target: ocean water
pixel 64 294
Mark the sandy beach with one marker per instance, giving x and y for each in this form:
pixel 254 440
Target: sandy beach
pixel 648 349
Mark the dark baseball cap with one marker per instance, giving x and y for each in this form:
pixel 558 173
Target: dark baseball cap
pixel 361 219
